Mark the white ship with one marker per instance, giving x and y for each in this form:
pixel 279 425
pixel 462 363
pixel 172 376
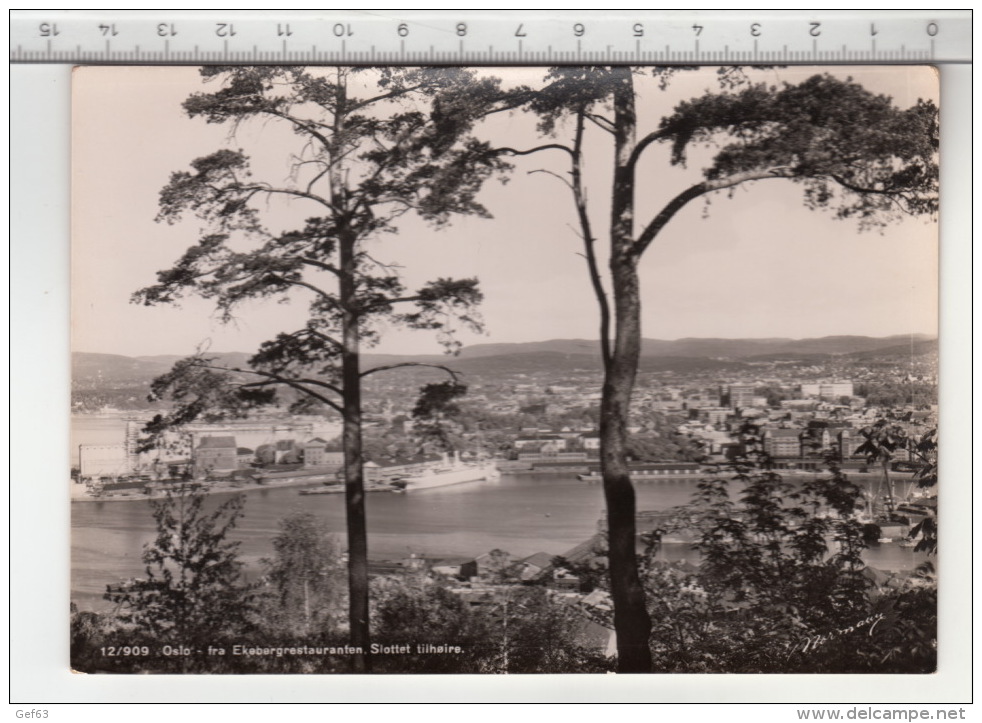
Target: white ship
pixel 452 473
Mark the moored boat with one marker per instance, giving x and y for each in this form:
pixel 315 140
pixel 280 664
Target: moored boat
pixel 451 473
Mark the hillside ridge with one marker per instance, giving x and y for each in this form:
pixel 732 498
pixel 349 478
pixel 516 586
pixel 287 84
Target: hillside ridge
pixel 570 353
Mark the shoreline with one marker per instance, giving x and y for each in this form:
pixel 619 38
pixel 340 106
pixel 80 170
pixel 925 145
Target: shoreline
pixel 217 489
pixel 79 493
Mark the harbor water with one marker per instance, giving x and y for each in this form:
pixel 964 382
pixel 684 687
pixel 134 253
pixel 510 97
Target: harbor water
pixel 521 514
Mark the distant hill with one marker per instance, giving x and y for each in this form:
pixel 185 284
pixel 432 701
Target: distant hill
pixel 115 368
pixel 712 348
pixel 93 371
pixel 560 346
pixel 543 361
pixel 917 348
pixel 120 369
pixel 525 362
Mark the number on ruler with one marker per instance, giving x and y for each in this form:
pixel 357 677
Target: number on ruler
pixel 48 30
pixel 109 29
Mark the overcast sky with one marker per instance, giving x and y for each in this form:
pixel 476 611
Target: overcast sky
pixel 755 265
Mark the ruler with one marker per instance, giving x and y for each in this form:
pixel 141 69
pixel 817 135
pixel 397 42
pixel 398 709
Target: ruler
pixel 506 37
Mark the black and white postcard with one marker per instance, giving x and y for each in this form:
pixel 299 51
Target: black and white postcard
pixel 504 370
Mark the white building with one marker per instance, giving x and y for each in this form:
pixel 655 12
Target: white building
pixel 834 390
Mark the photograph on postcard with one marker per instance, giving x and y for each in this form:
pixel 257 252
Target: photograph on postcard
pixel 504 370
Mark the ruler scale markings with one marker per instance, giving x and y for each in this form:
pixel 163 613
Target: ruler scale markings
pixel 903 43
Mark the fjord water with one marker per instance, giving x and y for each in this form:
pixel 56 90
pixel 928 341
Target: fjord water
pixel 521 514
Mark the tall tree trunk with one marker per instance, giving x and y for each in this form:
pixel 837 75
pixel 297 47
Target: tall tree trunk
pixel 631 621
pixel 351 441
pixel 354 481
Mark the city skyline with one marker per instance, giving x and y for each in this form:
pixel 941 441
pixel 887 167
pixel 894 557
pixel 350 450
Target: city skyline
pixel 798 274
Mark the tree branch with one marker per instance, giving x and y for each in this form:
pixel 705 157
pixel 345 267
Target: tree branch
pixel 299 387
pixel 676 204
pixel 358 105
pixel 296 193
pixel 557 146
pixel 305 126
pixel 643 144
pixel 390 302
pixel 319 176
pixel 596 281
pixel 296 282
pixel 454 374
pixel 862 189
pixel 325 337
pixel 277 379
pixel 554 175
pixel 320 265
pixel 598 120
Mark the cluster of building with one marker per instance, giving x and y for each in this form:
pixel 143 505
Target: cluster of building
pixel 220 455
pixel 214 451
pixel 824 418
pixel 211 449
